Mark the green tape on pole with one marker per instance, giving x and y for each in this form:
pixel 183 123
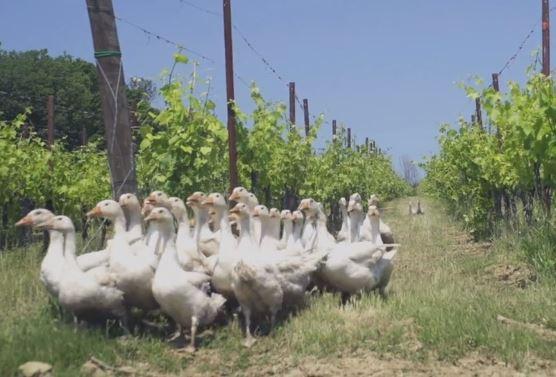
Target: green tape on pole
pixel 106 54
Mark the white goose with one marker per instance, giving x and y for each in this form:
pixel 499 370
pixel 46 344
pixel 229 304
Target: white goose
pixel 241 195
pixel 207 240
pixel 355 213
pixel 318 237
pixel 79 292
pixel 269 242
pixel 385 231
pixel 293 269
pixel 287 229
pixel 133 271
pixel 310 225
pixel 52 265
pixel 360 266
pixel 343 234
pixel 188 255
pixel 134 220
pixel 227 255
pixel 255 281
pixel 183 295
pixel 295 240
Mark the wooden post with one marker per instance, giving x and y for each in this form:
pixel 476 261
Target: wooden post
pixel 473 119
pixel 495 83
pixel 230 96
pixel 306 116
pixel 113 96
pixel 334 129
pixel 84 136
pixel 292 103
pixel 478 113
pixel 349 138
pixel 50 121
pixel 546 37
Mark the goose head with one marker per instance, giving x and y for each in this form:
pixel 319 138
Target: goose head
pixel 373 212
pixel 342 202
pixel 108 209
pixel 309 207
pixel 373 200
pixel 62 224
pixel 194 200
pixel 129 201
pixel 163 217
pixel 158 198
pixel 274 213
pixel 146 208
pixel 177 208
pixel 252 200
pixel 215 200
pixel 216 205
pixel 240 195
pixel 297 217
pixel 286 215
pixel 239 211
pixel 37 218
pixel 354 207
pixel 261 212
pixel 355 197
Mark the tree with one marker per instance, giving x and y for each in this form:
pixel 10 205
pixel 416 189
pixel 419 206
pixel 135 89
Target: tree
pixel 27 79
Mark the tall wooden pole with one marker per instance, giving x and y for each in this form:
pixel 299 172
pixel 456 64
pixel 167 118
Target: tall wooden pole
pixel 115 110
pixel 306 116
pixel 478 112
pixel 291 86
pixel 349 138
pixel 546 37
pixel 230 96
pixel 50 121
pixel 495 83
pixel 334 129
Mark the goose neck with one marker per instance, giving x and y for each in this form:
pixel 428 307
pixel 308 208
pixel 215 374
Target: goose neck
pixel 119 224
pixel 69 249
pixel 56 245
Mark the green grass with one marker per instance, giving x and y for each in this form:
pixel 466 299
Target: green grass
pixel 443 305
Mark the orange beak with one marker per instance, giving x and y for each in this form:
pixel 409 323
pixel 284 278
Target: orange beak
pixel 95 212
pixel 208 201
pixel 25 221
pixel 302 206
pixel 193 199
pixel 234 210
pixel 234 196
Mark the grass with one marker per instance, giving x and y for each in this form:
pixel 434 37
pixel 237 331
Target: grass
pixel 443 305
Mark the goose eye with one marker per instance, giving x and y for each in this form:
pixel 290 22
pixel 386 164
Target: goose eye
pixel 39 212
pixel 129 196
pixel 159 194
pixel 240 190
pixel 217 195
pixel 105 204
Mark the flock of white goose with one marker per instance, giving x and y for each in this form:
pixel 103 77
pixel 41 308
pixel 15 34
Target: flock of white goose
pixel 189 274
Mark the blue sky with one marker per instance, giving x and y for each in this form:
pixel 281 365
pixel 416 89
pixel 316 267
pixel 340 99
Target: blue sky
pixel 387 69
